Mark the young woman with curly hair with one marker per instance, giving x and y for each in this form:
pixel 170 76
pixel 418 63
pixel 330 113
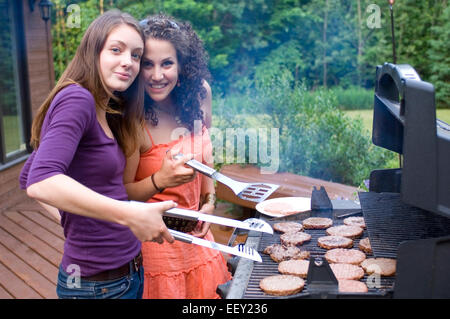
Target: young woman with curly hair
pixel 178 112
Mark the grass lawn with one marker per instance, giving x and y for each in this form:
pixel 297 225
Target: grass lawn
pixel 367 116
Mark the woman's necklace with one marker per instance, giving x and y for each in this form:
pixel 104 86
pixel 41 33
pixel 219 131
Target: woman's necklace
pixel 176 117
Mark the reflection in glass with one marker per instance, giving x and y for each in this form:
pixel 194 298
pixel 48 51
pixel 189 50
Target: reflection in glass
pixel 11 114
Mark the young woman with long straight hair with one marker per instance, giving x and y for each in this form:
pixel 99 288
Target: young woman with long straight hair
pixel 81 136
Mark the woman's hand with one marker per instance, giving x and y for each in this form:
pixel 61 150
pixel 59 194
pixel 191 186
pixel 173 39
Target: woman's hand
pixel 202 228
pixel 173 172
pixel 146 222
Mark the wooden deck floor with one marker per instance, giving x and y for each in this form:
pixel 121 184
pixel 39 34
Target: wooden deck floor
pixel 31 247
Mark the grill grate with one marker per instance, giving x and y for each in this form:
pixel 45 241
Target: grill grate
pixel 391 222
pixel 268 267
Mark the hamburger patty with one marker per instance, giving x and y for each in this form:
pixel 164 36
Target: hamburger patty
pixel 381 266
pixel 347 271
pixel 355 221
pixel 279 252
pixel 317 223
pixel 293 239
pixel 287 227
pixel 294 267
pixel 364 245
pixel 282 285
pixel 352 286
pixel 330 242
pixel 345 231
pixel 345 256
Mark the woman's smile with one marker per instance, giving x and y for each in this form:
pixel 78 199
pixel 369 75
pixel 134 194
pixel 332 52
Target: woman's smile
pixel 157 85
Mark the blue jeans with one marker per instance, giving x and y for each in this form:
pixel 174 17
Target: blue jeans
pixel 129 287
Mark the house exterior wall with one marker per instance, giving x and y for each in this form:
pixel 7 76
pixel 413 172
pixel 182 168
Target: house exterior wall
pixel 39 60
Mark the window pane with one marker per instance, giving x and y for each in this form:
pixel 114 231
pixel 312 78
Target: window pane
pixel 9 84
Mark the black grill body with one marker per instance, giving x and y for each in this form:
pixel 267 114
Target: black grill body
pixel 405 122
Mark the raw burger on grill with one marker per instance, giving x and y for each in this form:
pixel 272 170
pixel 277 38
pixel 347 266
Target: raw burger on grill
pixel 345 231
pixel 381 266
pixel 352 286
pixel 293 239
pixel 345 256
pixel 279 252
pixel 317 223
pixel 330 242
pixel 364 245
pixel 347 271
pixel 294 267
pixel 287 227
pixel 355 221
pixel 282 285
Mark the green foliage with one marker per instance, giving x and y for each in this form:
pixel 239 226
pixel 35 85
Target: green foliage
pixel 440 59
pixel 353 98
pixel 66 33
pixel 322 42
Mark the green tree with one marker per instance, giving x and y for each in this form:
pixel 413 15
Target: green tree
pixel 323 45
pixel 440 59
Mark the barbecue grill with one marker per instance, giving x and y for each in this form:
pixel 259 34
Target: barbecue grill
pixel 406 211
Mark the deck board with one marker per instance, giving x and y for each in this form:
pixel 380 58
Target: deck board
pixel 15 285
pixel 31 277
pixel 24 252
pixel 35 244
pixel 35 229
pixel 31 246
pixel 4 294
pixel 44 221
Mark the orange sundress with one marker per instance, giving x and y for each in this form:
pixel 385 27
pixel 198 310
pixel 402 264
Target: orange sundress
pixel 180 270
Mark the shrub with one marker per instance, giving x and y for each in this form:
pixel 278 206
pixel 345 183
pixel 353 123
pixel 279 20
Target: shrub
pixel 353 98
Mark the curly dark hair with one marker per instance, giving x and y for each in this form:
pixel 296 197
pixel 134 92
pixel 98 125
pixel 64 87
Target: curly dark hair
pixel 193 60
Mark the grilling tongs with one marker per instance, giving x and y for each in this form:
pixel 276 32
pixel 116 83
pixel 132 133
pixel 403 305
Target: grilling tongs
pixel 239 250
pixel 254 192
pixel 249 224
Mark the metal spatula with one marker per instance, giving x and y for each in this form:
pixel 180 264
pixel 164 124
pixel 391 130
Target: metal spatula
pixel 254 192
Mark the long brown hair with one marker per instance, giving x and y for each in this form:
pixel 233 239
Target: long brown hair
pixel 124 110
